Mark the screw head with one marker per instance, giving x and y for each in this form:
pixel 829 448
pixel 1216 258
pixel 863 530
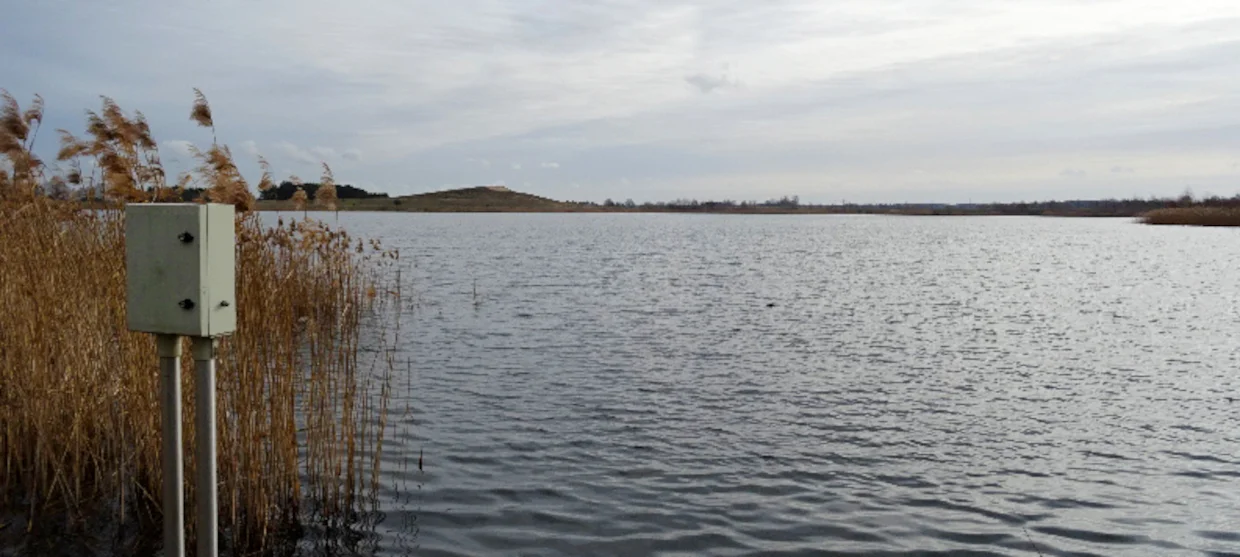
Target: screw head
pixel 185 237
pixel 186 304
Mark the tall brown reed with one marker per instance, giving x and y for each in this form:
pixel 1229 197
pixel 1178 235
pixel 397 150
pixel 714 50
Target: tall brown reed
pixel 325 196
pixel 300 416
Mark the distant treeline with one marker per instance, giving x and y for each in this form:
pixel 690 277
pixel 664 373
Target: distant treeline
pixel 784 205
pixel 689 205
pixel 282 192
pixel 286 189
pixel 791 204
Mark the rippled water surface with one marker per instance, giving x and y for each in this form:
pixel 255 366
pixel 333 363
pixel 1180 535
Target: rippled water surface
pixel 813 385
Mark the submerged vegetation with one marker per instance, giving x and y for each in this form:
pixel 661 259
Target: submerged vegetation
pixel 301 417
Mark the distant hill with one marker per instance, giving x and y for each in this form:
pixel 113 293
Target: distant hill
pixel 480 199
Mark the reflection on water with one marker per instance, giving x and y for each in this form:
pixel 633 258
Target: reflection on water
pixel 734 385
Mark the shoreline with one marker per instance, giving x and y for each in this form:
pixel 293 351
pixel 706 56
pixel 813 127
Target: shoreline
pixel 1183 211
pixel 261 208
pixel 495 199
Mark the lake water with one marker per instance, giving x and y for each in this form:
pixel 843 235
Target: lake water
pixel 812 385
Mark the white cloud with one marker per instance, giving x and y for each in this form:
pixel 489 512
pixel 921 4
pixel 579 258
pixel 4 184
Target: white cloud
pixel 981 96
pixel 296 153
pixel 249 147
pixel 325 154
pixel 516 166
pixel 315 155
pixel 708 83
pixel 179 147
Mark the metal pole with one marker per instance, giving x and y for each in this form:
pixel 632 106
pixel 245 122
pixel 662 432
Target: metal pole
pixel 204 432
pixel 169 348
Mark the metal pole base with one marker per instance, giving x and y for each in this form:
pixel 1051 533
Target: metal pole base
pixel 169 347
pixel 204 440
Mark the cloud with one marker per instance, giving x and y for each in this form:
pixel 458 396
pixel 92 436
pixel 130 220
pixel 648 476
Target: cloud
pixel 179 147
pixel 324 153
pixel 707 83
pixel 549 165
pixel 249 147
pixel 704 99
pixel 298 154
pixel 315 155
pixel 1073 173
pixel 516 166
pixel 1122 170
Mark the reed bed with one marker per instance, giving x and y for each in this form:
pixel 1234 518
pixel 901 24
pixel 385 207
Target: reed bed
pixel 1194 216
pixel 301 413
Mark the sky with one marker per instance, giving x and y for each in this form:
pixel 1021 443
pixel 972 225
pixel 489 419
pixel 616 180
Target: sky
pixel 879 101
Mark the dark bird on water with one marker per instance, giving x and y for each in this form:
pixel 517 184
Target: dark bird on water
pixel 771 305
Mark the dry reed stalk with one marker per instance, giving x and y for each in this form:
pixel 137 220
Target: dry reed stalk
pixel 79 416
pixel 325 196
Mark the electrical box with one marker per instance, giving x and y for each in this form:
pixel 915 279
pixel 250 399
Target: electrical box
pixel 181 264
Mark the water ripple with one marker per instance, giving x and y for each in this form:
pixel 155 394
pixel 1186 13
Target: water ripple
pixel 698 385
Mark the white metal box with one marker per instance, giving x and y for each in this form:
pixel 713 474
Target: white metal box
pixel 181 264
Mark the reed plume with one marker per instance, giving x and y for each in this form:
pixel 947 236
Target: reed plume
pixel 300 424
pixel 325 196
pixel 200 113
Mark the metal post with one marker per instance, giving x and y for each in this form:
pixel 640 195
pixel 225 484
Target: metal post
pixel 169 347
pixel 204 432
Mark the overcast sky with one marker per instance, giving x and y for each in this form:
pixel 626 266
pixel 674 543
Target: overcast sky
pixel 928 100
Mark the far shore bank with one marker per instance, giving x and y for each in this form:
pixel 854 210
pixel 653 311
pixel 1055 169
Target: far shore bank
pixel 498 199
pixel 493 199
pixel 344 206
pixel 1194 216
